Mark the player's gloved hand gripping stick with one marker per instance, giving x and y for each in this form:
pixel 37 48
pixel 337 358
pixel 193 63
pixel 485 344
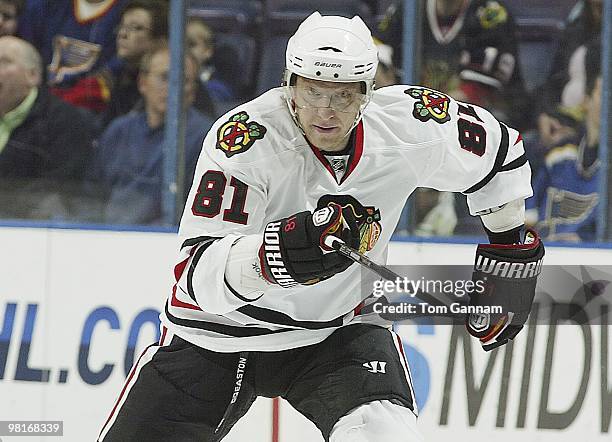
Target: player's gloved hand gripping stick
pixel 294 250
pixel 510 274
pixel 310 247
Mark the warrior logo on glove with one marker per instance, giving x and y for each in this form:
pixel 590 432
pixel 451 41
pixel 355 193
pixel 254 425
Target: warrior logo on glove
pixel 294 251
pixel 479 322
pixel 322 216
pixel 510 273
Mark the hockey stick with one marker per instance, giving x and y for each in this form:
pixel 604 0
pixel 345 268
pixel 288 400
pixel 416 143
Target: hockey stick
pixel 385 272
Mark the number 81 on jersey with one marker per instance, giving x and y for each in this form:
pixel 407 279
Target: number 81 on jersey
pixel 209 198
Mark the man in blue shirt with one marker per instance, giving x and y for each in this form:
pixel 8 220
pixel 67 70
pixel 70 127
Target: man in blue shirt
pixel 129 159
pixel 565 198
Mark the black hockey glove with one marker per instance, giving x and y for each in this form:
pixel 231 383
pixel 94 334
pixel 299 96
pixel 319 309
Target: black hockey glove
pixel 505 276
pixel 293 250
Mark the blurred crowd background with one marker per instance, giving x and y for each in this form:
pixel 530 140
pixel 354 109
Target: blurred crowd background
pixel 84 97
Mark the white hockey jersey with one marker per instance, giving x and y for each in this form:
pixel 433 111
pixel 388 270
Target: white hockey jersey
pixel 256 167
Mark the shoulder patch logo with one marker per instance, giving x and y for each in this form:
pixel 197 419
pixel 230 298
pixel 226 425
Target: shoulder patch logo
pixel 238 134
pixel 432 105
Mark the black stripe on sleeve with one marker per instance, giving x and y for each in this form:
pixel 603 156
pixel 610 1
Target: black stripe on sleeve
pixel 279 318
pixel 499 161
pixel 238 295
pixel 224 329
pixel 190 242
pixel 514 164
pixel 194 263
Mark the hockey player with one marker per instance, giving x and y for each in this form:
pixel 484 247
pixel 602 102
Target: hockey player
pixel 261 306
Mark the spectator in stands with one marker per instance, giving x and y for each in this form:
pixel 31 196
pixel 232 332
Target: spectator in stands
pixel 213 65
pixel 10 10
pixel 129 160
pixel 565 201
pixel 198 40
pixel 582 25
pixel 143 24
pixel 561 96
pixel 44 142
pixel 469 51
pixel 74 38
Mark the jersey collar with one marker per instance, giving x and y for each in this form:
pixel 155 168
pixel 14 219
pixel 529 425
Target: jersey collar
pixel 355 155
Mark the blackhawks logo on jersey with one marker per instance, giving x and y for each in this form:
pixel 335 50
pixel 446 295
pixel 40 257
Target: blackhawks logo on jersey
pixel 492 15
pixel 367 217
pixel 238 134
pixel 432 105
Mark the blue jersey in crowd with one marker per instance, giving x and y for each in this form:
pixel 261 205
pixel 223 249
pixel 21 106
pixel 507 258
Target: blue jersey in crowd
pixel 566 193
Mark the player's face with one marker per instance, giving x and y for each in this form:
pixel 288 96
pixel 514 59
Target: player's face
pixel 326 111
pixel 8 18
pixel 153 85
pixel 16 78
pixel 597 10
pixel 198 42
pixel 134 36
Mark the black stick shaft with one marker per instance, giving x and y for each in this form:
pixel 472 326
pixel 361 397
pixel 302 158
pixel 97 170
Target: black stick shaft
pixel 381 270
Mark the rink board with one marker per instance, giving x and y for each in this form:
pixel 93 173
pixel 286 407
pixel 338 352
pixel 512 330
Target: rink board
pixel 77 307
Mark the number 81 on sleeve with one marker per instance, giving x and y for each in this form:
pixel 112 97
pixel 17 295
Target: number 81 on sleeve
pixel 209 198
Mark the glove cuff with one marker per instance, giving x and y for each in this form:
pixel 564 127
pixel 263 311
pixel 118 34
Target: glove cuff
pixel 512 256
